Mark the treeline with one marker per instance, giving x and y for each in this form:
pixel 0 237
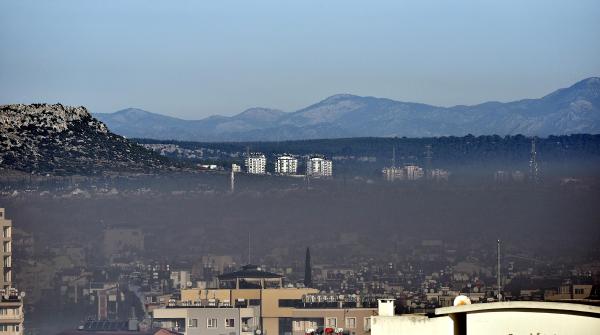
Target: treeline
pixel 446 151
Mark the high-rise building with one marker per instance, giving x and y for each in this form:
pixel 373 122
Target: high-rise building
pixel 319 167
pixel 256 163
pixel 11 302
pixel 6 281
pixel 286 164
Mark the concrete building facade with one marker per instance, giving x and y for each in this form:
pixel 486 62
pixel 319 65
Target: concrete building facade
pixel 207 320
pixel 11 301
pixel 353 321
pixel 319 167
pixel 256 163
pixel 286 164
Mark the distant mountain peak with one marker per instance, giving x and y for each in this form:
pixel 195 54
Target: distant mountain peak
pixel 340 96
pixel 592 82
pixel 575 109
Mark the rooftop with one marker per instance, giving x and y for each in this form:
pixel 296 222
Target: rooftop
pixel 249 271
pixel 521 305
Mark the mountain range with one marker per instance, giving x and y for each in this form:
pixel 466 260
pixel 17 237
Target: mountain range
pixel 571 110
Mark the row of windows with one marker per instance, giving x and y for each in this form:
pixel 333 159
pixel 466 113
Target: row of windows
pixel 10 311
pixel 211 323
pixel 9 328
pixel 331 322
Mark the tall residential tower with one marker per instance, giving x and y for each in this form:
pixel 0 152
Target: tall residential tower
pixel 11 302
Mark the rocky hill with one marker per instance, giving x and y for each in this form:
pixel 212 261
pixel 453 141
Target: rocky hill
pixel 571 110
pixel 57 139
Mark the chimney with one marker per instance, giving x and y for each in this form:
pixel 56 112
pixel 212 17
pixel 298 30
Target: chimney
pixel 386 307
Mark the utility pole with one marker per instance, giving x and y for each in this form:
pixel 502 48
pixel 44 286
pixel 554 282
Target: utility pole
pixel 533 165
pixel 428 158
pixel 498 275
pixel 232 180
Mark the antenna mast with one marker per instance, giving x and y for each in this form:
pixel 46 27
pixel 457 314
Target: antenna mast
pixel 498 275
pixel 533 165
pixel 428 157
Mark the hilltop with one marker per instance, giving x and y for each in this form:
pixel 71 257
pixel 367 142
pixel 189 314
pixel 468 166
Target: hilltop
pixel 57 139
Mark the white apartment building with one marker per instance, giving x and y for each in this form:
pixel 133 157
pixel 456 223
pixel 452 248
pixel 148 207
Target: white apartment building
pixel 407 172
pixel 319 167
pixel 286 164
pixel 256 163
pixel 393 173
pixel 11 301
pixel 413 172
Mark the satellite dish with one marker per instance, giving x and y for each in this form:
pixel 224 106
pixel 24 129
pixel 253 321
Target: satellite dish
pixel 462 300
pixel 258 332
pixel 22 294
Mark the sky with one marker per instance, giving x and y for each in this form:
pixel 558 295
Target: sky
pixel 192 59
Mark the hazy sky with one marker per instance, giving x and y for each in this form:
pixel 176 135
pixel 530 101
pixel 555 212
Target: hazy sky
pixel 194 58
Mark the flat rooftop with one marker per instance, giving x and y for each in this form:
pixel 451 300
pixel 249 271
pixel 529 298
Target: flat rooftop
pixel 521 305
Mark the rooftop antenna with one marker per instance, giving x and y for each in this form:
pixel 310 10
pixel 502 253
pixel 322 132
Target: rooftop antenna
pixel 498 278
pixel 428 157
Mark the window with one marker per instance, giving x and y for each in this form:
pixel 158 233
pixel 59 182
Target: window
pixel 578 291
pixel 331 322
pixel 367 324
pixel 211 323
pixel 350 323
pixel 193 323
pixel 289 302
pixel 229 323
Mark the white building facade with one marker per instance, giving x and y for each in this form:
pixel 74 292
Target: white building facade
pixel 286 164
pixel 256 163
pixel 497 318
pixel 319 167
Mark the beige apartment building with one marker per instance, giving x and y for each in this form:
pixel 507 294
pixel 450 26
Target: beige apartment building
pixel 256 289
pixel 11 301
pixel 279 310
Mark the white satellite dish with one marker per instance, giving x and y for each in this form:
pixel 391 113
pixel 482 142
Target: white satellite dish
pixel 462 300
